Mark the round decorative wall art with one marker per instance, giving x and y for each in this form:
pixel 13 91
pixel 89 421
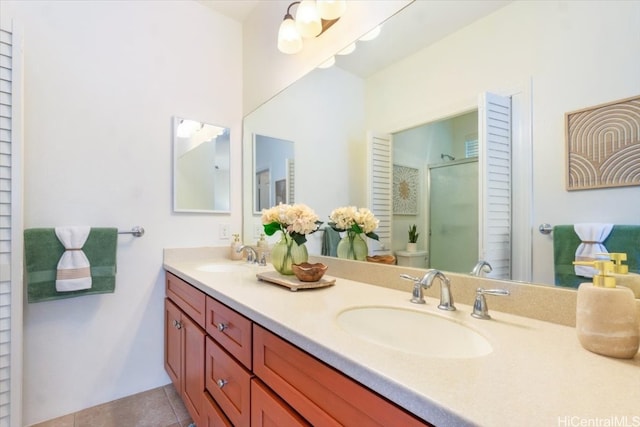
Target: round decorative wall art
pixel 405 190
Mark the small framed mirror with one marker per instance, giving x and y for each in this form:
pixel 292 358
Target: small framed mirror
pixel 201 160
pixel 273 172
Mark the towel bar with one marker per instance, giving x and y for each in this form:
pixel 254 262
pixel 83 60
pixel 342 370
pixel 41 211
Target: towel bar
pixel 137 231
pixel 545 228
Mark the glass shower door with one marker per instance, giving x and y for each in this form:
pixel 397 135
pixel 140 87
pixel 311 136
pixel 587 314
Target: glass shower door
pixel 453 215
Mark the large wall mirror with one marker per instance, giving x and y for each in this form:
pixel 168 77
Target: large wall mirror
pixel 526 51
pixel 201 159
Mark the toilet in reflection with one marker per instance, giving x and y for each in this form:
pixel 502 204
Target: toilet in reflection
pixel 417 259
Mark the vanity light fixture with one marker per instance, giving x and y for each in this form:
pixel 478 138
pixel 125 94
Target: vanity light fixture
pixel 347 50
pixel 371 34
pixel 313 17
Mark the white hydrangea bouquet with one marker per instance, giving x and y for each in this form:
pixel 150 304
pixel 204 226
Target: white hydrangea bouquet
pixel 295 220
pixel 354 220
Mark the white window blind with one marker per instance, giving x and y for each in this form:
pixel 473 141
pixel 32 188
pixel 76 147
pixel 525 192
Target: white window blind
pixel 380 171
pixel 5 225
pixel 494 114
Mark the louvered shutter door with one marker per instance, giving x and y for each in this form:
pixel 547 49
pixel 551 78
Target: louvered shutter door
pixel 380 180
pixel 494 138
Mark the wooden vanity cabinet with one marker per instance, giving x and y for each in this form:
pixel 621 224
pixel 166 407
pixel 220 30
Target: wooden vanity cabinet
pixel 184 342
pixel 322 395
pixel 230 371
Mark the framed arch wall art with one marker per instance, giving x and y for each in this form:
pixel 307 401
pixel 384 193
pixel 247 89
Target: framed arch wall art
pixel 603 145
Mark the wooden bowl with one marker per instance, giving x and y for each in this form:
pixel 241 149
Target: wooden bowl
pixel 382 259
pixel 306 272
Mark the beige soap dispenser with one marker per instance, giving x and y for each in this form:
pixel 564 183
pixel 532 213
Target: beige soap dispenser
pixel 233 250
pixel 606 315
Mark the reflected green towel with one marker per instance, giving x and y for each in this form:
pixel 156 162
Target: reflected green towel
pixel 623 238
pixel 330 240
pixel 43 250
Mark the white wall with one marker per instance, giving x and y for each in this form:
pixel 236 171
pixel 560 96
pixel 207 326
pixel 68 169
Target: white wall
pixel 575 53
pixel 102 82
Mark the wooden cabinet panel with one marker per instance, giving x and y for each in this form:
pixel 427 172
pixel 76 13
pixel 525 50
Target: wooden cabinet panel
pixel 230 329
pixel 193 367
pixel 229 383
pixel 191 301
pixel 173 343
pixel 212 415
pixel 318 392
pixel 268 410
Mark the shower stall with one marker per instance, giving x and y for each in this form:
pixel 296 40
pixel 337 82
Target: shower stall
pixel 453 215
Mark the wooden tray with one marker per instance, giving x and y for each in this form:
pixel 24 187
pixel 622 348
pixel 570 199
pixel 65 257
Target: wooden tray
pixel 292 282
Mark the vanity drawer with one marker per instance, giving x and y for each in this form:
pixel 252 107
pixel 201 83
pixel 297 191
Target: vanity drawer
pixel 230 329
pixel 191 301
pixel 229 383
pixel 267 409
pixel 318 392
pixel 212 415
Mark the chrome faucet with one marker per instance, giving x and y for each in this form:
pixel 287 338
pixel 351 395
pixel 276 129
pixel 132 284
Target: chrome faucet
pixel 480 309
pixel 481 267
pixel 252 255
pixel 417 295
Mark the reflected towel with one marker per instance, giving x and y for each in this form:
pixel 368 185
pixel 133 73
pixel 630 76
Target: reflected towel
pixel 623 238
pixel 330 240
pixel 43 250
pixel 592 235
pixel 74 272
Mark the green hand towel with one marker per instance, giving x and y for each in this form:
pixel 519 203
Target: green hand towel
pixel 623 238
pixel 43 251
pixel 330 240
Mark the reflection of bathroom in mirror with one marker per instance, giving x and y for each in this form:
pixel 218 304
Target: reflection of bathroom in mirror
pixel 201 158
pixel 273 171
pixel 524 51
pixel 445 153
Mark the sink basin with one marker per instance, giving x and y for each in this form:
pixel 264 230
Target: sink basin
pixel 415 332
pixel 222 268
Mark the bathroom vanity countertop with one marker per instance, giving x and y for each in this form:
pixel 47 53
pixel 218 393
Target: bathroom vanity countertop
pixel 536 375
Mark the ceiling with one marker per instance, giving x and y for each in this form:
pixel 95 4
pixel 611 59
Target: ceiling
pixel 235 9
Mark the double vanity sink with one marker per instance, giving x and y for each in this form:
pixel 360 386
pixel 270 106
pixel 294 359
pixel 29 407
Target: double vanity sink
pixel 446 367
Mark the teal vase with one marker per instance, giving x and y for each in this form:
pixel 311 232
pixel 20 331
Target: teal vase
pixel 353 246
pixel 287 252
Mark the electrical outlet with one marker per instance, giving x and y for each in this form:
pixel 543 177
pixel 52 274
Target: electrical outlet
pixel 223 232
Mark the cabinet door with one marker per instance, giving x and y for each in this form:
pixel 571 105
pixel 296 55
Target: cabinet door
pixel 229 384
pixel 173 344
pixel 212 415
pixel 268 410
pixel 193 367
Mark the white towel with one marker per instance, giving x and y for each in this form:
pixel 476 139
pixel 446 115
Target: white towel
pixel 592 236
pixel 74 270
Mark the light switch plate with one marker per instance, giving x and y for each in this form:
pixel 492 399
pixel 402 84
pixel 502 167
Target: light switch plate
pixel 223 232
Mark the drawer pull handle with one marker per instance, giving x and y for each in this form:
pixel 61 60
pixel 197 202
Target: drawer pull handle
pixel 221 383
pixel 177 324
pixel 221 327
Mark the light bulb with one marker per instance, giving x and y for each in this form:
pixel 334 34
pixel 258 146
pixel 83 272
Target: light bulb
pixel 307 19
pixel 331 9
pixel 289 40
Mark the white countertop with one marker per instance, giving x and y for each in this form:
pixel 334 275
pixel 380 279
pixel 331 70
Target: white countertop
pixel 536 375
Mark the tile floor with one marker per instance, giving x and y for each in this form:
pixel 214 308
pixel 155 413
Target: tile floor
pixel 160 407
